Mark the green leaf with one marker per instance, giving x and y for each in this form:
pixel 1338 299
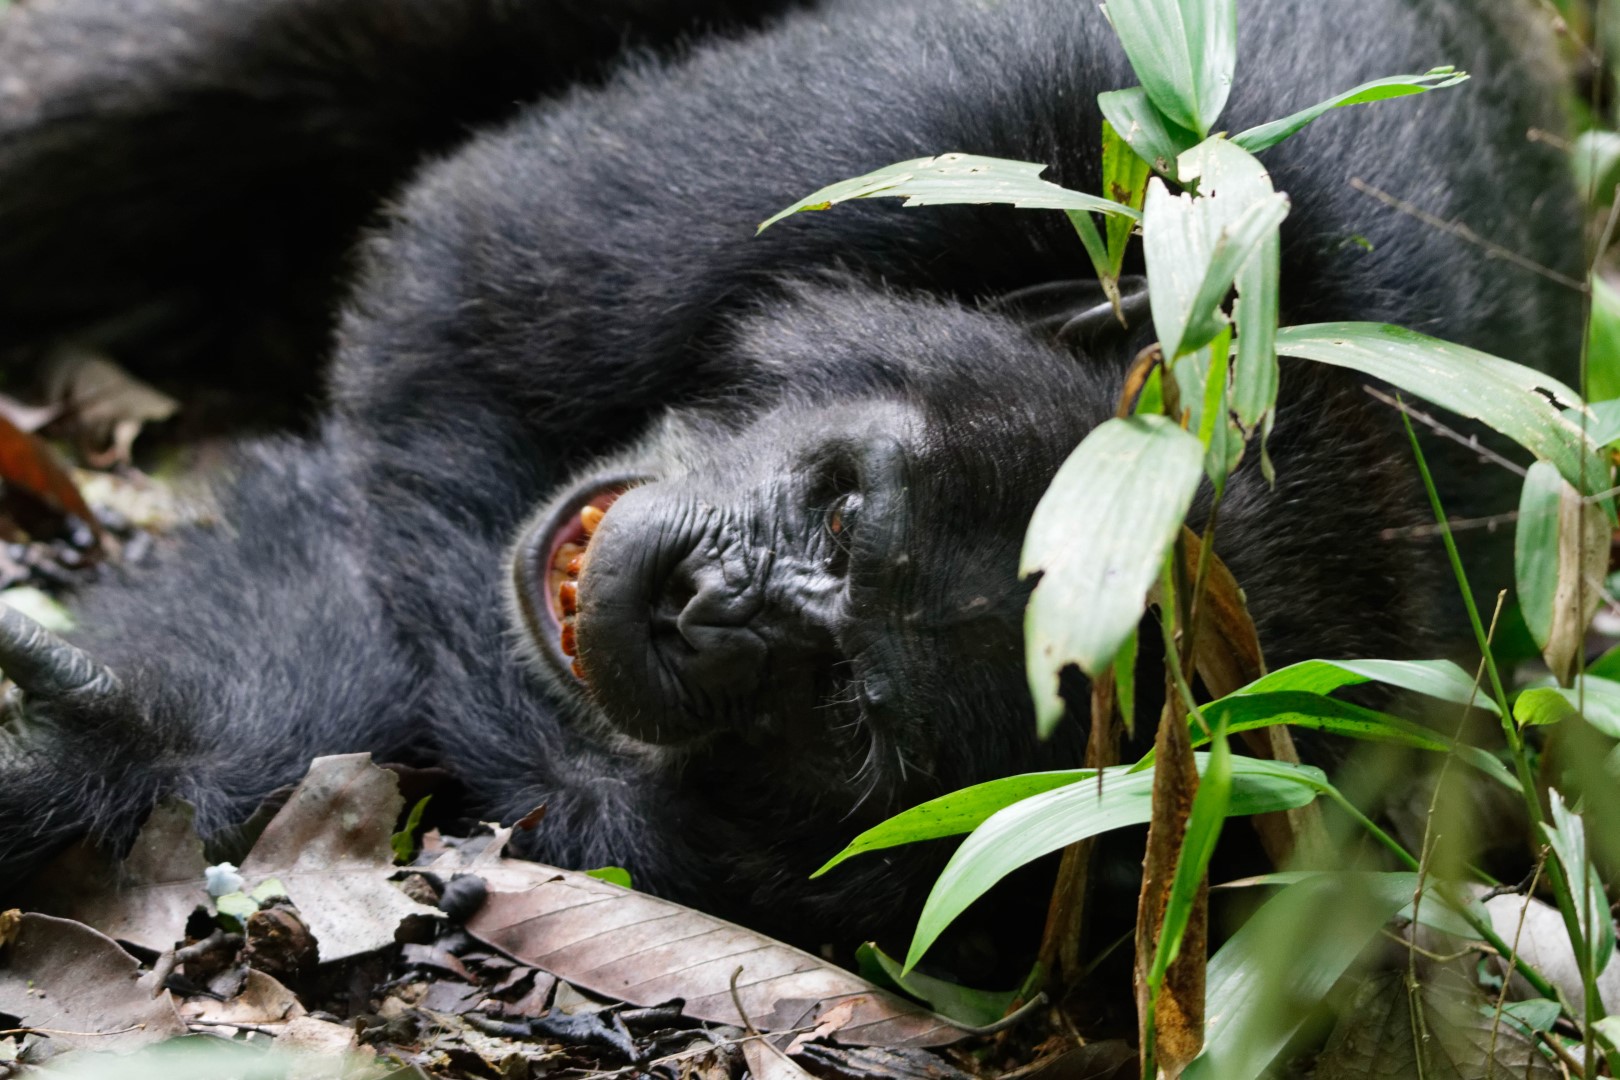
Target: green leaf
pixel 1044 823
pixel 1097 539
pixel 1145 129
pixel 1204 821
pixel 1125 177
pixel 1247 712
pixel 1566 835
pixel 975 1008
pixel 1603 345
pixel 956 178
pixel 1560 555
pixel 1193 257
pixel 1314 712
pixel 1594 698
pixel 614 875
pixel 955 814
pixel 236 905
pixel 403 843
pixel 1282 963
pixel 1435 678
pixel 1596 161
pixel 1183 53
pixel 1503 395
pixel 1265 136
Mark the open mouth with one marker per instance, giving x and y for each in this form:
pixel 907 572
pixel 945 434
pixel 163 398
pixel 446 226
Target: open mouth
pixel 549 560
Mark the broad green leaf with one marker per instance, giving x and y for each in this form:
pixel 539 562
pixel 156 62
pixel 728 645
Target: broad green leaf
pixel 1596 160
pixel 1282 963
pixel 956 178
pixel 1195 247
pixel 1146 130
pixel 1125 177
pixel 1560 556
pixel 1044 823
pixel 1265 136
pixel 1543 706
pixel 1603 344
pixel 1602 420
pixel 1503 395
pixel 1566 835
pixel 1297 708
pixel 1209 810
pixel 1594 698
pixel 1435 678
pixel 975 1008
pixel 1183 53
pixel 954 814
pixel 1219 167
pixel 1315 712
pixel 1097 539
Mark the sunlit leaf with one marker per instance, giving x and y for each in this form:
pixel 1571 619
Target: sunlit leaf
pixel 956 178
pixel 1260 138
pixel 1147 131
pixel 1560 556
pixel 1045 823
pixel 1183 53
pixel 1436 678
pixel 1508 397
pixel 955 814
pixel 1097 539
pixel 1594 698
pixel 1194 249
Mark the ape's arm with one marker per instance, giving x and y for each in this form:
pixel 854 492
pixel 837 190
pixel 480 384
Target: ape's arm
pixel 258 645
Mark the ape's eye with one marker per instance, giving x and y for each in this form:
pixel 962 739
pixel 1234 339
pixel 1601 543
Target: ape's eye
pixel 840 521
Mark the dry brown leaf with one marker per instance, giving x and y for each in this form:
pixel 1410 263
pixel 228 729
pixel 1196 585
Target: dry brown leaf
pixel 1583 563
pixel 637 948
pixel 328 846
pixel 146 898
pixel 82 989
pixel 27 463
pixel 107 403
pixel 262 1001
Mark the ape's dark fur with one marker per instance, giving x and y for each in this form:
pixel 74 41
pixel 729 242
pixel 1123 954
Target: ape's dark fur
pixel 586 272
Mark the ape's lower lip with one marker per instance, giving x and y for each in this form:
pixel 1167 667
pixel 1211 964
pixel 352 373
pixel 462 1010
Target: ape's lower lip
pixel 549 559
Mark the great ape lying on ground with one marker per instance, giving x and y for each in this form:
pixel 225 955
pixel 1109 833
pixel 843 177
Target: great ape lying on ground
pixel 802 613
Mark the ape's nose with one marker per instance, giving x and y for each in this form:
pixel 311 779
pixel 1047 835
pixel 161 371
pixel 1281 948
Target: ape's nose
pixel 708 618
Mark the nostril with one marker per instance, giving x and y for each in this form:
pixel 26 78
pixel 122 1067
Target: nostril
pixel 678 593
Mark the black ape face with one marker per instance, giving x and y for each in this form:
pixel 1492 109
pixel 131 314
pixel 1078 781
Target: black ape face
pixel 832 581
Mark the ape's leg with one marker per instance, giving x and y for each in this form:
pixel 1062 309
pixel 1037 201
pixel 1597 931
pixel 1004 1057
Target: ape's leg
pixel 253 646
pixel 167 167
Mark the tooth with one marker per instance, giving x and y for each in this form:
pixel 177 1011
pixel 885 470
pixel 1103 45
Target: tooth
pixel 590 517
pixel 575 565
pixel 579 670
pixel 566 554
pixel 569 647
pixel 568 597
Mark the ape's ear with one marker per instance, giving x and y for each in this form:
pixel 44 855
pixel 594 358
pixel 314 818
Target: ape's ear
pixel 1077 311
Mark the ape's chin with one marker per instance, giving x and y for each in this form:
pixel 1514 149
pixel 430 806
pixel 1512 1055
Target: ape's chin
pixel 548 560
